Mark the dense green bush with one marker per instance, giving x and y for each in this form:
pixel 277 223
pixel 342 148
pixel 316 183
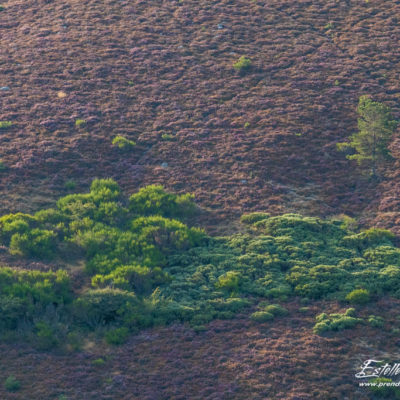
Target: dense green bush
pixel 242 64
pixel 117 335
pixel 123 143
pixel 154 200
pixel 358 296
pixel 12 384
pixel 34 243
pixel 261 316
pixel 336 322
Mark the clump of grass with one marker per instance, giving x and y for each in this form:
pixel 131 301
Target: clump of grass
pixel 166 136
pixel 358 296
pixel 123 143
pixel 5 124
pixel 117 336
pixel 80 122
pixel 243 64
pixel 98 362
pixel 70 184
pixel 12 384
pixel 336 322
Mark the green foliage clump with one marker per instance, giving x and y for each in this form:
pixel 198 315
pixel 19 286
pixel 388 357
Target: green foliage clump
pixel 123 143
pixel 46 336
pixel 12 384
pixel 107 306
pixel 34 243
pixel 117 336
pixel 5 124
pixel 268 312
pixel 25 294
pixel 261 316
pixel 358 296
pixel 79 122
pixel 229 281
pixel 376 321
pixel 242 64
pixel 154 200
pixel 254 217
pixel 336 322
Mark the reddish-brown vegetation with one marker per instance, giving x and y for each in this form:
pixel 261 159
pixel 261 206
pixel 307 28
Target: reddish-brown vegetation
pixel 236 359
pixel 143 69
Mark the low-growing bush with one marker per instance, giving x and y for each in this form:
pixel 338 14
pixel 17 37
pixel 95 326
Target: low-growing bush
pixel 252 218
pixel 358 296
pixel 37 242
pixel 123 143
pixel 154 200
pixel 117 336
pixel 375 321
pixel 12 384
pixel 242 64
pixel 5 124
pixel 336 322
pixel 229 281
pixel 262 316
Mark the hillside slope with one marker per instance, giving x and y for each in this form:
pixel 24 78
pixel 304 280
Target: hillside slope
pixel 260 140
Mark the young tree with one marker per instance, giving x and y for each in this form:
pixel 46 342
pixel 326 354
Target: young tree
pixel 376 126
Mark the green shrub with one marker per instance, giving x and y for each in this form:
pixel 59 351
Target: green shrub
pixel 358 296
pixel 12 384
pixel 5 124
pixel 154 200
pixel 45 335
pixel 375 321
pixel 252 218
pixel 117 336
pixel 336 322
pixel 37 242
pixel 98 362
pixel 70 184
pixel 123 143
pixel 242 64
pixel 79 122
pixel 262 316
pixel 166 136
pixel 107 306
pixel 275 310
pixel 229 281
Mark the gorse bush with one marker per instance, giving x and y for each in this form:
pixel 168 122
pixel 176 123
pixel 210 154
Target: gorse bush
pixel 12 384
pixel 123 143
pixel 358 296
pixel 242 64
pixel 5 124
pixel 336 322
pixel 146 266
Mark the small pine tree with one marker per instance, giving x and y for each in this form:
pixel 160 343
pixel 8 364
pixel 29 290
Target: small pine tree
pixel 376 126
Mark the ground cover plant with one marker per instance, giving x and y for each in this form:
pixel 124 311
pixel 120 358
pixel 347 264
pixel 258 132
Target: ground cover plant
pixel 145 266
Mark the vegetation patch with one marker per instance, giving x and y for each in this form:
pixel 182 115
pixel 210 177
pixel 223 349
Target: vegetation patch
pixel 146 266
pixel 123 143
